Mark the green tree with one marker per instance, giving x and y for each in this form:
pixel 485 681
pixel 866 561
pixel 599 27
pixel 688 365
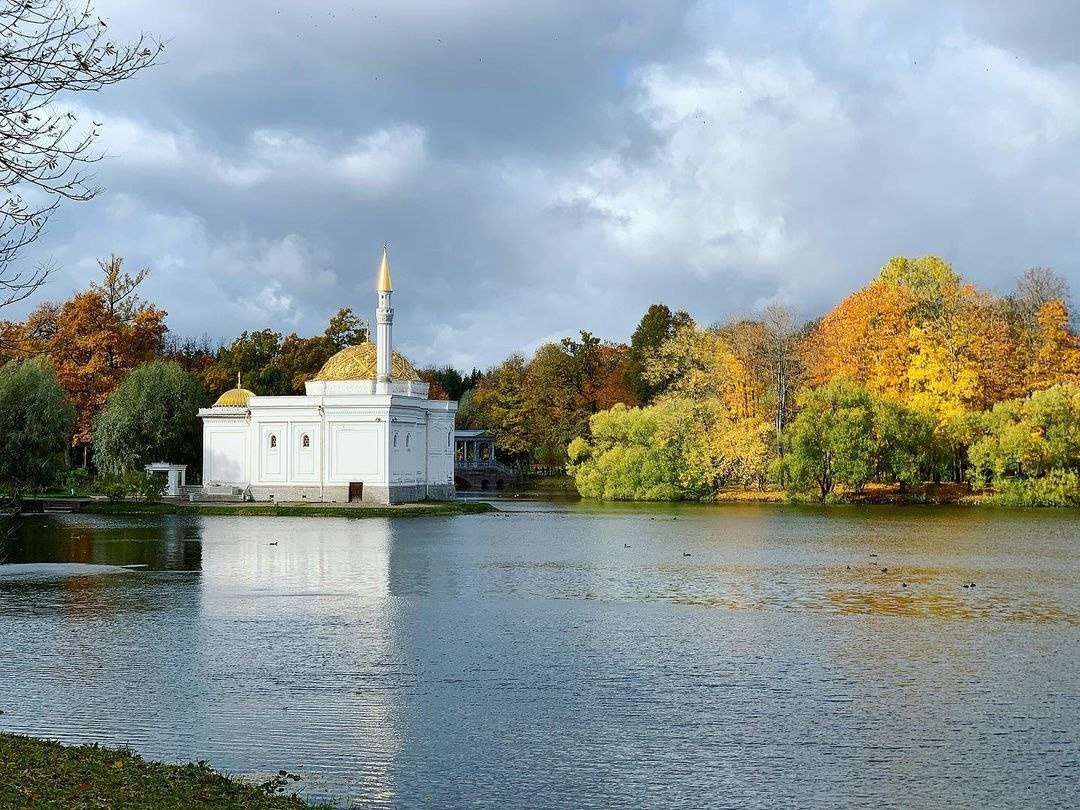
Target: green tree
pixel 832 439
pixel 151 416
pixel 498 404
pixel 452 381
pixel 908 448
pixel 35 423
pixel 1028 438
pixel 657 325
pixel 345 329
pixel 640 454
pixel 929 278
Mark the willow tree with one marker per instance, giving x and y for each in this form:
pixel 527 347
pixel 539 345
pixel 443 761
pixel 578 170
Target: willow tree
pixel 35 422
pixel 49 52
pixel 151 416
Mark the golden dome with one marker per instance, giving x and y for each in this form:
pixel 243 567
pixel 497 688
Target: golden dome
pixel 234 398
pixel 359 362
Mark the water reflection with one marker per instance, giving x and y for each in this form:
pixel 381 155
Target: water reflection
pixel 533 658
pixel 162 544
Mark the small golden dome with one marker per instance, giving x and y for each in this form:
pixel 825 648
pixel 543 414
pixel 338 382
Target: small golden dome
pixel 359 363
pixel 234 398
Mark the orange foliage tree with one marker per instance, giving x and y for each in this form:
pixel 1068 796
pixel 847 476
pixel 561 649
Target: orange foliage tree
pixel 94 339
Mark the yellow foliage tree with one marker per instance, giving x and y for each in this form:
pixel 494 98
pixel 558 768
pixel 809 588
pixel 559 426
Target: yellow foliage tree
pixel 1054 350
pixel 865 337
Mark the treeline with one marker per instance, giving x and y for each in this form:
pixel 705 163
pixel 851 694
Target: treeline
pixel 918 377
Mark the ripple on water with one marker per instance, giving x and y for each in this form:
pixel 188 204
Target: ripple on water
pixel 534 660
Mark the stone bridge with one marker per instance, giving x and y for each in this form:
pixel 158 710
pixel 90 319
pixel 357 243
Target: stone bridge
pixel 470 476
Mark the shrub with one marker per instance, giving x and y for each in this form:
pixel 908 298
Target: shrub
pixel 1056 488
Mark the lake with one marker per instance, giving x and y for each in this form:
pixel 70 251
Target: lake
pixel 567 655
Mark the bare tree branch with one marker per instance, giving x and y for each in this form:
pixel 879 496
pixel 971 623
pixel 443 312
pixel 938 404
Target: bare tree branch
pixel 49 49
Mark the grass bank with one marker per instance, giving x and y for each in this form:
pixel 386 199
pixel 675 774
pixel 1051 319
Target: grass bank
pixel 439 509
pixel 40 773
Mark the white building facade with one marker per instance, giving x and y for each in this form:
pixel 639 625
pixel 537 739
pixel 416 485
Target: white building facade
pixel 365 430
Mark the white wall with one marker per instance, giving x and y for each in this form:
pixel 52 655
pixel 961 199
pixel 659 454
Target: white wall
pixel 357 452
pixel 225 452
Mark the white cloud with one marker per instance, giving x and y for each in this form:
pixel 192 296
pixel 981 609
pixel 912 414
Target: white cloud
pixel 731 136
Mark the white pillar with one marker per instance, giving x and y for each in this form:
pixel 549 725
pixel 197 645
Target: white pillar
pixel 384 319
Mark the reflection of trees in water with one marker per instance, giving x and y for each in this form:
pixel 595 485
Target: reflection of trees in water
pixel 171 544
pixel 79 597
pixel 6 529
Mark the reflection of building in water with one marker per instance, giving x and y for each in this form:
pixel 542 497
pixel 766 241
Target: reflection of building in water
pixel 300 664
pixel 365 431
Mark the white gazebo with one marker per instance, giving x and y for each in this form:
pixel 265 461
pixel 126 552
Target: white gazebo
pixel 175 474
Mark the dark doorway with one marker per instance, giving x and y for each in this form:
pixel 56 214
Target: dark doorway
pixel 356 491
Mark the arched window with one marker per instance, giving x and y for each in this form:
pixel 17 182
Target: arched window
pixel 305 441
pixel 449 439
pixel 408 437
pixel 273 441
pixel 395 440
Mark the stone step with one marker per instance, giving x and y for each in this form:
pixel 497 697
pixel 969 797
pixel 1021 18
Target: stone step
pixel 216 497
pixel 61 506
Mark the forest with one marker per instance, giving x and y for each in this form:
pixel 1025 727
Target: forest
pixel 917 378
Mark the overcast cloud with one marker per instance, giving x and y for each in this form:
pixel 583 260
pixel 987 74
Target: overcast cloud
pixel 539 168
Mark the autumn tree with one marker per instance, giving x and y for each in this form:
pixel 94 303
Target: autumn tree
pixel 52 52
pixel 552 400
pixel 1052 349
pixel 345 329
pixel 864 337
pixel 1029 448
pixel 94 339
pixel 675 449
pixel 768 348
pixel 435 389
pixel 699 364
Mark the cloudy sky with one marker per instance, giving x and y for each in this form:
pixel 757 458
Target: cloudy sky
pixel 543 167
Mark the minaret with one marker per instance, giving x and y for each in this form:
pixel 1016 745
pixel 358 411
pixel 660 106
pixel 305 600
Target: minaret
pixel 384 319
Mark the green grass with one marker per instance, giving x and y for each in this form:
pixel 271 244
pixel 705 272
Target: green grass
pixel 44 774
pixel 292 510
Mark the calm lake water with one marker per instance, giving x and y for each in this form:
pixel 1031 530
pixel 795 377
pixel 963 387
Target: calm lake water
pixel 531 659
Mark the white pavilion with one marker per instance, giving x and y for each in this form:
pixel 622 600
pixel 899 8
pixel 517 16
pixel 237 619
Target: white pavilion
pixel 364 431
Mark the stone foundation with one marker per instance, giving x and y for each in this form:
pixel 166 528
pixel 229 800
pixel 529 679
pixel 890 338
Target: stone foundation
pixel 373 494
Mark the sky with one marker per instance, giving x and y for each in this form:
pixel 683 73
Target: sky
pixel 538 168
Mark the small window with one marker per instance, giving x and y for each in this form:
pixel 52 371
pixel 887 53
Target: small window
pixel 408 437
pixel 273 441
pixel 395 440
pixel 305 441
pixel 449 439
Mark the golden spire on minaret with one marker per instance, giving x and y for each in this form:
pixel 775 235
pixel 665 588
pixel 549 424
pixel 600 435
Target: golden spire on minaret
pixel 384 284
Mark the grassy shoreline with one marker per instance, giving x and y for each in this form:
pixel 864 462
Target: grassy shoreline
pixel 439 509
pixel 44 773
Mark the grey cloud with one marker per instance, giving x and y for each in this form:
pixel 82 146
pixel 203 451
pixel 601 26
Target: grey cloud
pixel 539 168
